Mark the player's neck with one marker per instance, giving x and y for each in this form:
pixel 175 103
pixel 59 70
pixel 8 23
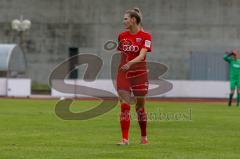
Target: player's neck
pixel 134 29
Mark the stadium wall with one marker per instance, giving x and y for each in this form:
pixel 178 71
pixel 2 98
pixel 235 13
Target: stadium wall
pixel 181 89
pixel 179 27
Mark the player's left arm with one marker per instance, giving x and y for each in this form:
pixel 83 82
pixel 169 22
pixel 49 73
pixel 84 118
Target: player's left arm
pixel 147 47
pixel 137 59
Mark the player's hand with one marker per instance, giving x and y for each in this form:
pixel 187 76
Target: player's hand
pixel 125 67
pixel 230 54
pixel 228 51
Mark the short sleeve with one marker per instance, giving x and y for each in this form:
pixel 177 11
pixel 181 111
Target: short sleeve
pixel 119 43
pixel 148 42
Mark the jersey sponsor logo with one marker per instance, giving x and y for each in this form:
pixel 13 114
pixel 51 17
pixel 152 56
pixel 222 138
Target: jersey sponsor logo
pixel 147 43
pixel 138 40
pixel 130 48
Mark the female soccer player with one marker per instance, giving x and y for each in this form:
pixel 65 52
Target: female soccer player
pixel 132 76
pixel 233 59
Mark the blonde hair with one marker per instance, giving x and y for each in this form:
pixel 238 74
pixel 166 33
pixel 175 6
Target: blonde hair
pixel 136 13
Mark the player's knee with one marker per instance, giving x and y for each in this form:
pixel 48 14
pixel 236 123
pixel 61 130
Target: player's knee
pixel 124 96
pixel 140 102
pixel 122 101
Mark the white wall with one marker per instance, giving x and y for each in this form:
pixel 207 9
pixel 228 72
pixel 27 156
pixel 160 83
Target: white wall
pixel 15 87
pixel 3 87
pixel 202 89
pixel 181 88
pixel 100 84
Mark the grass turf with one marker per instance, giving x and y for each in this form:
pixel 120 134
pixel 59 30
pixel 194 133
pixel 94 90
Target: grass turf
pixel 29 129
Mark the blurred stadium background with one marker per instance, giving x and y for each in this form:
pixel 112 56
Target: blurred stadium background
pixel 189 36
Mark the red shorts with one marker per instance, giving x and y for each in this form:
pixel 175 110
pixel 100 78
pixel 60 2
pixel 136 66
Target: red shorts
pixel 133 81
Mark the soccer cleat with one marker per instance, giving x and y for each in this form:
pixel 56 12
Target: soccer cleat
pixel 230 99
pixel 123 142
pixel 144 140
pixel 230 103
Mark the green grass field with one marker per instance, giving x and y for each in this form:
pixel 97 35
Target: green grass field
pixel 29 129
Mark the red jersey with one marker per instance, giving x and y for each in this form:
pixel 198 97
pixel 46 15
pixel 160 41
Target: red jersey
pixel 130 45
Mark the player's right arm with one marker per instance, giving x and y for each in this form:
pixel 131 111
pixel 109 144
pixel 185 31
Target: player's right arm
pixel 227 57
